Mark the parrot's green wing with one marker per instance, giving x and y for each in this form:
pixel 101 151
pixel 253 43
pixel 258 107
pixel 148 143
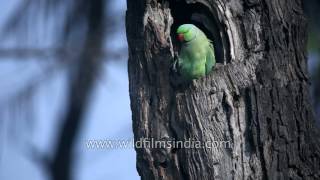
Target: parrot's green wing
pixel 184 66
pixel 210 59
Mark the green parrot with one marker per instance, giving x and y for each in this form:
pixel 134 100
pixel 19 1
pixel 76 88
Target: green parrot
pixel 196 55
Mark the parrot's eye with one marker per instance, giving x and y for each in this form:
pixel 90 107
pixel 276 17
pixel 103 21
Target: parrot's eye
pixel 180 37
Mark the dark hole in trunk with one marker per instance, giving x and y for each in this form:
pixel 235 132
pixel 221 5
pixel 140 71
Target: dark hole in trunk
pixel 201 16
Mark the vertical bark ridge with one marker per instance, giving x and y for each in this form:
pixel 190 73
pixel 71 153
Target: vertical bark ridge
pixel 259 101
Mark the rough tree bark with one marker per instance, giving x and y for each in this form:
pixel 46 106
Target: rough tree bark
pixel 257 97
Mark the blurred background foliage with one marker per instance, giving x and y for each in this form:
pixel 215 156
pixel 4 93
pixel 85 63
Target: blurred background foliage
pixel 64 81
pixel 312 9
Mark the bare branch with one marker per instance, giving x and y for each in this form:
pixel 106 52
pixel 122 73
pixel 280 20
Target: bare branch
pixel 41 54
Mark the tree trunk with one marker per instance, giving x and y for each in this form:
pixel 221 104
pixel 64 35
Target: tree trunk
pixel 257 97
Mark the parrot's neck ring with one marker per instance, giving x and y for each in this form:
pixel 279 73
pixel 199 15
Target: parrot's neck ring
pixel 195 36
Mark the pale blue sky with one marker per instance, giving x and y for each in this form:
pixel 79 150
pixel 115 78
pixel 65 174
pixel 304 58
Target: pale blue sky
pixel 109 116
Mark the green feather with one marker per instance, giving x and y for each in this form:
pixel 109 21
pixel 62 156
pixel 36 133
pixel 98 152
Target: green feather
pixel 196 56
pixel 210 59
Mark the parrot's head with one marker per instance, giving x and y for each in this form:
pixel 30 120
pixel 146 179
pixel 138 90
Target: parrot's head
pixel 186 32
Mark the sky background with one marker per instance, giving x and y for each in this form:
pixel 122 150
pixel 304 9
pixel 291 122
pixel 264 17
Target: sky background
pixel 109 115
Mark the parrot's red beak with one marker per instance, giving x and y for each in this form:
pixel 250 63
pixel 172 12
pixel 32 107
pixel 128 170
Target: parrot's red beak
pixel 180 37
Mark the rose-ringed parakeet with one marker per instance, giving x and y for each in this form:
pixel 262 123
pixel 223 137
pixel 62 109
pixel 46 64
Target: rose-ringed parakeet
pixel 196 55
